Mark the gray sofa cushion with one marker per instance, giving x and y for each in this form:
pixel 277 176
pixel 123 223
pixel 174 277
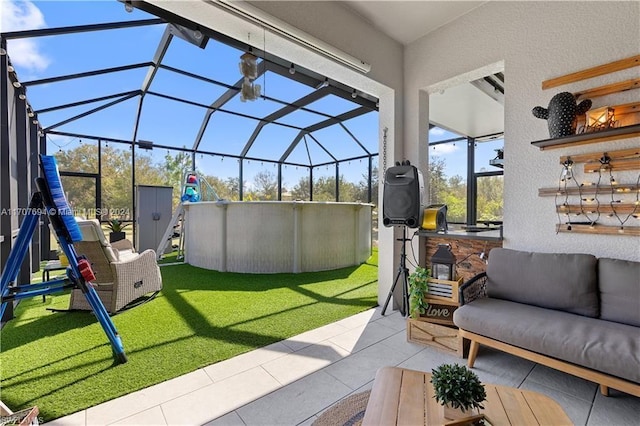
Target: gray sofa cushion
pixel 619 282
pixel 604 346
pixel 566 282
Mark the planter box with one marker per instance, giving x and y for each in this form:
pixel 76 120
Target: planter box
pixel 439 312
pixel 444 290
pixel 117 236
pixel 439 336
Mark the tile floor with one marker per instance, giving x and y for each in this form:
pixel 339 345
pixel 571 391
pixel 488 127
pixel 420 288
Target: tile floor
pixel 293 381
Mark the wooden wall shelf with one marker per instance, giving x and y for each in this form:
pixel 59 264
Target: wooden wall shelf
pixel 587 138
pixel 614 165
pixel 608 89
pixel 604 208
pixel 622 64
pixel 588 190
pixel 600 229
pixel 595 157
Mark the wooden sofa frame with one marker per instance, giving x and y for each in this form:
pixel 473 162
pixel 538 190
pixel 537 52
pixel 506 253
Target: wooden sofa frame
pixel 604 380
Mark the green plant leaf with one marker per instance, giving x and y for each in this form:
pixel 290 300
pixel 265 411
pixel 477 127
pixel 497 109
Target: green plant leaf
pixel 457 386
pixel 418 289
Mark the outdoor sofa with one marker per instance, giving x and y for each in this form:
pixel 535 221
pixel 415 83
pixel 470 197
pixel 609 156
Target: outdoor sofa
pixel 572 312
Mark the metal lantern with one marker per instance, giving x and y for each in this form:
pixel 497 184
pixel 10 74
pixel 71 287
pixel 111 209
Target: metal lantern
pixel 600 119
pixel 443 263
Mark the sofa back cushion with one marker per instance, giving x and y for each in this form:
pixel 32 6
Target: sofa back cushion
pixel 566 282
pixel 619 282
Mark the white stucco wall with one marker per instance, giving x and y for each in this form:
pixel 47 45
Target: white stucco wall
pixel 537 41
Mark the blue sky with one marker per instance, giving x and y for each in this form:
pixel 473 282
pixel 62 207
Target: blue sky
pixel 175 124
pixel 455 154
pixel 167 122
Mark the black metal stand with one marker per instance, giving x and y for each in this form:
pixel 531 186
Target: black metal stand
pixel 403 273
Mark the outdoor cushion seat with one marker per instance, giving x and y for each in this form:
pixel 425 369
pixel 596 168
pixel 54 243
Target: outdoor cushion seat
pixel 122 274
pixel 574 338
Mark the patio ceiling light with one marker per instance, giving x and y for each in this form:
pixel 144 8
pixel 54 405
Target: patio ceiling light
pixel 292 69
pixel 128 6
pixel 324 83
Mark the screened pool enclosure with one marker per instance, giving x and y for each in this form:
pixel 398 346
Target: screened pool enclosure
pixel 125 98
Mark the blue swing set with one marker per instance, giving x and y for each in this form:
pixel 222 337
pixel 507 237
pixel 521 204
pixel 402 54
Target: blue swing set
pixel 50 200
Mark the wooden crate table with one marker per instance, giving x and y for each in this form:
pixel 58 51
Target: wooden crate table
pixel 435 327
pixel 406 397
pixel 442 337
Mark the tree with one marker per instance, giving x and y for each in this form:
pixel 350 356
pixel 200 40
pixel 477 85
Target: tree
pixel 266 186
pixel 437 181
pixel 300 190
pixel 233 188
pixel 362 190
pixel 490 196
pixel 324 189
pixel 174 169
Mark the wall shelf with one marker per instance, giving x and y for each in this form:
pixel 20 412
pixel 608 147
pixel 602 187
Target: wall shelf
pixel 622 64
pixel 608 89
pixel 588 189
pixel 599 229
pixel 587 138
pixel 604 208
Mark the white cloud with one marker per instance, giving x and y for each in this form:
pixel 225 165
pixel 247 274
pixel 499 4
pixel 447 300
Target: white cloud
pixel 20 16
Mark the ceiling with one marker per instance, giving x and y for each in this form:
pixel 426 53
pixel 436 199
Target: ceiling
pixel 407 21
pixel 471 109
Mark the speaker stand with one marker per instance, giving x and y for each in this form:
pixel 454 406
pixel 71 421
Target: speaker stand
pixel 403 273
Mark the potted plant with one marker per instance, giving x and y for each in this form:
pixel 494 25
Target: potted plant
pixel 418 288
pixel 117 230
pixel 458 390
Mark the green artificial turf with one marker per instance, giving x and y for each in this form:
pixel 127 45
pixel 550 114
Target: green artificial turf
pixel 62 362
pixel 171 257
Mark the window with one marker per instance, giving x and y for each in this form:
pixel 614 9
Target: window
pixel 454 161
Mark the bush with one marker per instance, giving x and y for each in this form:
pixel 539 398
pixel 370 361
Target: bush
pixel 457 386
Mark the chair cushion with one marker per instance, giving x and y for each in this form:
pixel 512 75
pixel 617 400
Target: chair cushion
pixel 111 255
pixel 601 345
pixel 126 255
pixel 566 282
pixel 619 282
pixel 92 231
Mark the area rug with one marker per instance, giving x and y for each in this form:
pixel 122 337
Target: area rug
pixel 347 412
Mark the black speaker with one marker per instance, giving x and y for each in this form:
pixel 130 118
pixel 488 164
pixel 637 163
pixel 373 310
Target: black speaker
pixel 402 197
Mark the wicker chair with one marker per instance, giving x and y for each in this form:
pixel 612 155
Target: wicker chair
pixel 122 275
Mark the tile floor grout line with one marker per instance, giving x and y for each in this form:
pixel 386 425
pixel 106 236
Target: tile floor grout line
pixel 527 376
pixel 261 366
pixel 164 416
pixel 593 403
